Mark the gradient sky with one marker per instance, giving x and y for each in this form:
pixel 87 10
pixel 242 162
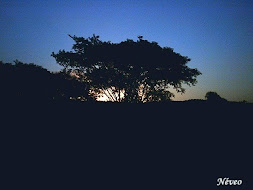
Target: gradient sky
pixel 217 35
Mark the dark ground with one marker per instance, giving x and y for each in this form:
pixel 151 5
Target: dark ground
pixel 177 145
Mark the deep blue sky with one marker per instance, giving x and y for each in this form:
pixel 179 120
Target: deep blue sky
pixel 217 35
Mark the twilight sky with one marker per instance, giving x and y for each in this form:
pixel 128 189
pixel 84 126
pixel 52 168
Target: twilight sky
pixel 216 34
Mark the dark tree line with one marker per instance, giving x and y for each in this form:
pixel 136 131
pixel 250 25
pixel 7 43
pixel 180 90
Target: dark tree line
pixel 20 81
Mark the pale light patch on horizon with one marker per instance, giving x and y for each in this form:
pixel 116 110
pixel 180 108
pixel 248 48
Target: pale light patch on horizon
pixel 109 93
pixel 178 96
pixel 103 98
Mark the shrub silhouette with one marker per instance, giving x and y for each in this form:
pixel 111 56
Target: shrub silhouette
pixel 214 97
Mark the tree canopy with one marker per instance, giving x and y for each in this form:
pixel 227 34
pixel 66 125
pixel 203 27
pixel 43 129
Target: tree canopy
pixel 130 71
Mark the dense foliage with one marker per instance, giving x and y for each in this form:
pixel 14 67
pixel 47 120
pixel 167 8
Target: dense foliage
pixel 32 82
pixel 131 71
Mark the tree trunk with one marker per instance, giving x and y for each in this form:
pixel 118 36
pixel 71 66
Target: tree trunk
pixel 119 94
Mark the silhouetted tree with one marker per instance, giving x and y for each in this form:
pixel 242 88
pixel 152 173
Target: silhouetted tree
pixel 214 97
pixel 131 71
